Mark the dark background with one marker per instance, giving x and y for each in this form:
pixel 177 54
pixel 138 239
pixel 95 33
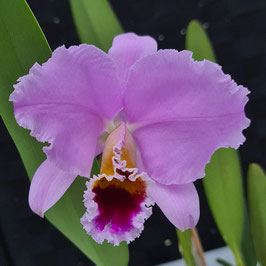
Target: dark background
pixel 237 30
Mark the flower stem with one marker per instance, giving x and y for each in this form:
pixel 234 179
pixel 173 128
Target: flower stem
pixel 197 249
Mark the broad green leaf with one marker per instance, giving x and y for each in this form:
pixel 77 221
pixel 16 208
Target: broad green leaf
pixel 223 181
pixel 185 246
pixel 223 188
pixel 22 43
pixel 247 245
pixel 257 207
pixel 96 22
pixel 198 42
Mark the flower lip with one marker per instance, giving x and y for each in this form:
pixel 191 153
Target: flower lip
pixel 118 199
pixel 118 202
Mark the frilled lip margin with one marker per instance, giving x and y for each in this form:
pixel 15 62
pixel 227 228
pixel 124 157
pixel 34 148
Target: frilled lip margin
pixel 117 206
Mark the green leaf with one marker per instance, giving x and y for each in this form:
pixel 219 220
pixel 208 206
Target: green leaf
pixel 198 42
pixel 223 188
pixel 22 43
pixel 96 22
pixel 257 207
pixel 185 246
pixel 223 181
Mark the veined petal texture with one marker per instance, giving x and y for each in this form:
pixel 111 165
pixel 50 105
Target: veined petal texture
pixel 179 203
pixel 127 49
pixel 48 186
pixel 65 102
pixel 182 111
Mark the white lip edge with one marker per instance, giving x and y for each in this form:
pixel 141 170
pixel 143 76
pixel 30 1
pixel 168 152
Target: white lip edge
pixel 138 221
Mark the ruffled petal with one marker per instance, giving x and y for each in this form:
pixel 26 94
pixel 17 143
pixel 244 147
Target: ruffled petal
pixel 79 76
pixel 177 152
pixel 127 48
pixel 115 214
pixel 179 203
pixel 65 102
pixel 48 186
pixel 120 140
pixel 118 200
pixel 180 112
pixel 72 133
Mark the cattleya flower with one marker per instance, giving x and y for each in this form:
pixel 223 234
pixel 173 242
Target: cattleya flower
pixel 157 116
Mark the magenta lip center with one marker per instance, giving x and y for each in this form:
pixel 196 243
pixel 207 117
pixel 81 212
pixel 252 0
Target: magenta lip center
pixel 117 208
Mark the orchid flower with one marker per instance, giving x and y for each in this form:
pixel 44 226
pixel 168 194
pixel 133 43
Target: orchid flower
pixel 157 116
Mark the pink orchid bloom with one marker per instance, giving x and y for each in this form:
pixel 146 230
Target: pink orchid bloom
pixel 157 116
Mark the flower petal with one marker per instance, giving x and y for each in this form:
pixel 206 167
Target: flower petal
pixel 119 150
pixel 177 152
pixel 170 85
pixel 182 111
pixel 127 48
pixel 179 203
pixel 65 101
pixel 48 186
pixel 116 211
pixel 72 133
pixel 79 76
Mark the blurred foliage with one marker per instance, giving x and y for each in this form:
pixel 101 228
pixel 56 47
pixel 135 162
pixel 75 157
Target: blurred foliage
pixel 96 22
pixel 257 208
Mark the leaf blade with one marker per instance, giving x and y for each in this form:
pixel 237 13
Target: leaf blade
pixel 223 188
pixel 198 42
pixel 257 203
pixel 96 22
pixel 15 62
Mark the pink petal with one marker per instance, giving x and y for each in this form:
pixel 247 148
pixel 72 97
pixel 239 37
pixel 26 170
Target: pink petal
pixel 114 214
pixel 64 102
pixel 48 186
pixel 81 76
pixel 127 48
pixel 179 203
pixel 182 111
pixel 177 152
pixel 72 132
